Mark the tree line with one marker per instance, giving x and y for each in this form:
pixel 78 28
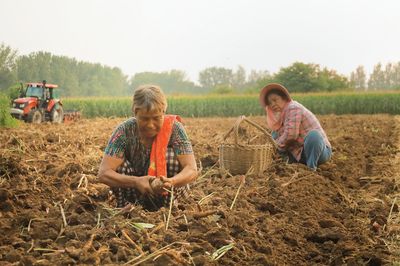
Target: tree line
pixel 381 78
pixel 79 78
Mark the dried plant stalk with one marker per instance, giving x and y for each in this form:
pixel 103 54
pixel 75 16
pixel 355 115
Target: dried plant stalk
pixel 170 208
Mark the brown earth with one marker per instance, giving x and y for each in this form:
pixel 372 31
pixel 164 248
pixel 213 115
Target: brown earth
pixel 53 212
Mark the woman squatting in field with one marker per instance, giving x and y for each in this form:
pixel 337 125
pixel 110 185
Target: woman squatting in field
pixel 148 154
pixel 295 129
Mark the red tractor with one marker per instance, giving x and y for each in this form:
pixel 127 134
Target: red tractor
pixel 37 103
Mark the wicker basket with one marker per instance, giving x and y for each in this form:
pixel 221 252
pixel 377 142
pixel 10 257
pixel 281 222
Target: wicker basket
pixel 239 159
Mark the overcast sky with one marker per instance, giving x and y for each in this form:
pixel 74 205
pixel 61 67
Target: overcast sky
pixel 190 35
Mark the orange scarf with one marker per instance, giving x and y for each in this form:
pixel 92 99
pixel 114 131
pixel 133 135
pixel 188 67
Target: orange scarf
pixel 158 162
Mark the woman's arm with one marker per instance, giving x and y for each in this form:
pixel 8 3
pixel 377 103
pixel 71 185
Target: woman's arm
pixel 188 173
pixel 108 175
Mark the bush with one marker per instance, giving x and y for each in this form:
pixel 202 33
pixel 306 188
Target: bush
pixel 6 120
pixel 15 91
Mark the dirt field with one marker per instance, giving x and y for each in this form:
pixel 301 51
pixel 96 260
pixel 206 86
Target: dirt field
pixel 54 213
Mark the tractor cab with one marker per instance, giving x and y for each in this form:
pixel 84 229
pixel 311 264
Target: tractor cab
pixel 43 93
pixel 38 102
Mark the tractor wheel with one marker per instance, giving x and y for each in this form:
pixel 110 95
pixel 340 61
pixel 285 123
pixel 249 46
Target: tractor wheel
pixel 35 116
pixel 57 114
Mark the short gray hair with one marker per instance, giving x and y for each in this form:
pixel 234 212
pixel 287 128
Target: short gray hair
pixel 149 97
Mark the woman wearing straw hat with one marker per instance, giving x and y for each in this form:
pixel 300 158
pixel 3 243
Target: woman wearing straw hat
pixel 296 130
pixel 149 154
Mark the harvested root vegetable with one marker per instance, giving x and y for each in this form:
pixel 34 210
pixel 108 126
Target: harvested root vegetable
pixel 157 185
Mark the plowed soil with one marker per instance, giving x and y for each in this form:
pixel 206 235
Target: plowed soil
pixel 53 211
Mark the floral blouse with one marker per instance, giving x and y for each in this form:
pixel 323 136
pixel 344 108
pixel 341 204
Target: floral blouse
pixel 125 144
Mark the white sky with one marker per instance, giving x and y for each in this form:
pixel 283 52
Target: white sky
pixel 190 35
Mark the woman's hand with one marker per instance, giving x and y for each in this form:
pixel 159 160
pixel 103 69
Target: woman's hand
pixel 157 185
pixel 161 185
pixel 143 184
pixel 167 182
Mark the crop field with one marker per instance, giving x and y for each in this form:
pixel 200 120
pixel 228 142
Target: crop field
pixel 54 212
pixel 235 105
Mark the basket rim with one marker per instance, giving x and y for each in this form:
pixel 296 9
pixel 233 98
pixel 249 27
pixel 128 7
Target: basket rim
pixel 235 131
pixel 246 145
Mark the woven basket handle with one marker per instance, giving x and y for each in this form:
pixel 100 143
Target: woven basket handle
pixel 235 129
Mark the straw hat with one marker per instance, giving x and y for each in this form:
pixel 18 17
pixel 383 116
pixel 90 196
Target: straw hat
pixel 268 88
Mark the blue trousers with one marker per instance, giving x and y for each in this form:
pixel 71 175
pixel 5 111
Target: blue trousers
pixel 315 151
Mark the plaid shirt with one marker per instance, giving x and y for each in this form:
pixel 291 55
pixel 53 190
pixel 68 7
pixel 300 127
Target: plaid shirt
pixel 298 121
